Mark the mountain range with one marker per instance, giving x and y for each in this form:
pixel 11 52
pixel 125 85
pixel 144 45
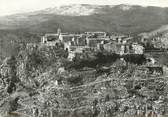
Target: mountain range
pixel 84 17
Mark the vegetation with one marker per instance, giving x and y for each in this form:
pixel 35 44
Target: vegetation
pixel 42 86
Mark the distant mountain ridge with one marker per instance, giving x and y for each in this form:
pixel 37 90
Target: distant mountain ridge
pixel 72 10
pixel 81 9
pixel 76 9
pixel 84 17
pixel 77 18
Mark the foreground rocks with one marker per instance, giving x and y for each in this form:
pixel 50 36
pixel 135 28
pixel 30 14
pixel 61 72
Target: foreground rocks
pixel 40 82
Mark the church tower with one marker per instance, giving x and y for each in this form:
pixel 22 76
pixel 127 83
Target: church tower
pixel 58 31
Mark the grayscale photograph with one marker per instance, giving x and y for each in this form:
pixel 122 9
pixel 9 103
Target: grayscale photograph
pixel 83 58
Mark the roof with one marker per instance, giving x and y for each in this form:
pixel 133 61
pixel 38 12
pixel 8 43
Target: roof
pixel 52 38
pixel 51 34
pixel 96 32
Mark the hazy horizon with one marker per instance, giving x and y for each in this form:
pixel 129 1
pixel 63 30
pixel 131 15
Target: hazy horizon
pixel 8 7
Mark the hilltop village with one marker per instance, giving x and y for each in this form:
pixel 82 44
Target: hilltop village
pixel 78 44
pixel 82 45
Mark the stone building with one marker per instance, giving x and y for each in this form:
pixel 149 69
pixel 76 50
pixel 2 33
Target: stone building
pixel 65 37
pixel 50 39
pixel 117 48
pixel 92 41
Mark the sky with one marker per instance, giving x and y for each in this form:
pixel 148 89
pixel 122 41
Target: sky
pixel 8 7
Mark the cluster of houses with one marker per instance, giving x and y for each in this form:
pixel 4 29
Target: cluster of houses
pixel 77 44
pixel 155 41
